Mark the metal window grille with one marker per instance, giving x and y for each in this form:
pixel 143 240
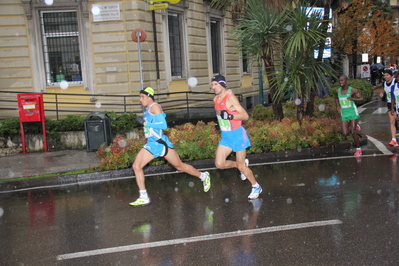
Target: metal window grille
pixel 215 45
pixel 175 45
pixel 61 48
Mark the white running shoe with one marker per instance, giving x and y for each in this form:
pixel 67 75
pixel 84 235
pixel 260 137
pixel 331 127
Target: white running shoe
pixel 243 177
pixel 255 192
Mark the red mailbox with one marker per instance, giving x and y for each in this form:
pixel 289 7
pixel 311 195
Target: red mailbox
pixel 31 109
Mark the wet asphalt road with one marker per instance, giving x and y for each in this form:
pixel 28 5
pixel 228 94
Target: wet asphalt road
pixel 329 211
pixel 322 212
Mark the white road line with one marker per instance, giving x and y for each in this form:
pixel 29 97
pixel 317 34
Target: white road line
pixel 379 145
pixel 381 110
pixel 196 239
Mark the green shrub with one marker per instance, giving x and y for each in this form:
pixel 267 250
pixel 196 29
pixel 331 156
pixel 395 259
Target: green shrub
pixel 122 123
pixel 363 86
pixel 71 123
pixel 120 154
pixel 323 107
pixel 261 112
pixel 9 127
pixel 196 142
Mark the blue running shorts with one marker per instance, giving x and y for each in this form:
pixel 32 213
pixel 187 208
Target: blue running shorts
pixel 159 149
pixel 237 140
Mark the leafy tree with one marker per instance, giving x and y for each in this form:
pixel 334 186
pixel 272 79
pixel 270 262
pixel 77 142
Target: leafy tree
pixel 365 27
pixel 379 37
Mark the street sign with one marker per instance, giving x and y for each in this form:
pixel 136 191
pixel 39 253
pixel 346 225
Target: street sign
pixel 158 6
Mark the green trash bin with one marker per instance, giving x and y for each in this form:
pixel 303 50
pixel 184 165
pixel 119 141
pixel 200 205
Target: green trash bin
pixel 97 130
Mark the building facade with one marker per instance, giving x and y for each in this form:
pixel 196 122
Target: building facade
pixel 86 47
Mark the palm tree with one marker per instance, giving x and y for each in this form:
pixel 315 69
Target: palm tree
pixel 261 34
pixel 301 71
pixel 258 36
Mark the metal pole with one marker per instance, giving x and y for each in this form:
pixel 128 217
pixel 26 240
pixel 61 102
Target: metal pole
pixel 138 34
pixel 261 100
pixel 154 28
pixel 188 108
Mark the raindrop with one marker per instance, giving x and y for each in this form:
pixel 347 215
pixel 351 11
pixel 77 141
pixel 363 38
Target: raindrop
pixel 286 79
pixel 379 191
pixel 98 104
pixel 191 184
pixel 226 200
pixel 48 2
pixel 64 85
pixel 176 189
pixel 256 175
pixel 288 27
pixel 122 143
pixel 95 10
pixel 299 149
pixel 297 101
pixel 1 212
pixel 192 81
pixel 229 90
pixel 289 201
pixel 322 107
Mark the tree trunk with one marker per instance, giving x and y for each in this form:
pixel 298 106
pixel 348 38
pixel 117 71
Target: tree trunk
pixel 322 45
pixel 276 102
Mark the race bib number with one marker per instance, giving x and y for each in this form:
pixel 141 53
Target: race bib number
pixel 223 124
pixel 344 102
pixel 147 132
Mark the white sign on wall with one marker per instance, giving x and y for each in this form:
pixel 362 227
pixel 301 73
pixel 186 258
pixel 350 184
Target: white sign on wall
pixel 106 12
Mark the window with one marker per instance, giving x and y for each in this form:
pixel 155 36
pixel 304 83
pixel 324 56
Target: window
pixel 60 43
pixel 244 64
pixel 61 49
pixel 215 45
pixel 175 45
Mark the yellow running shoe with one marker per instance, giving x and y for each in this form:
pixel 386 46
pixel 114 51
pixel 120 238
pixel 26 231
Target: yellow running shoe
pixel 207 182
pixel 140 202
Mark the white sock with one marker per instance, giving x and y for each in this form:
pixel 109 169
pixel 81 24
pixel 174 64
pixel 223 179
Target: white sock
pixel 256 185
pixel 358 148
pixel 143 194
pixel 202 176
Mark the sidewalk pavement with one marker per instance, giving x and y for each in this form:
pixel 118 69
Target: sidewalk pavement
pixel 41 163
